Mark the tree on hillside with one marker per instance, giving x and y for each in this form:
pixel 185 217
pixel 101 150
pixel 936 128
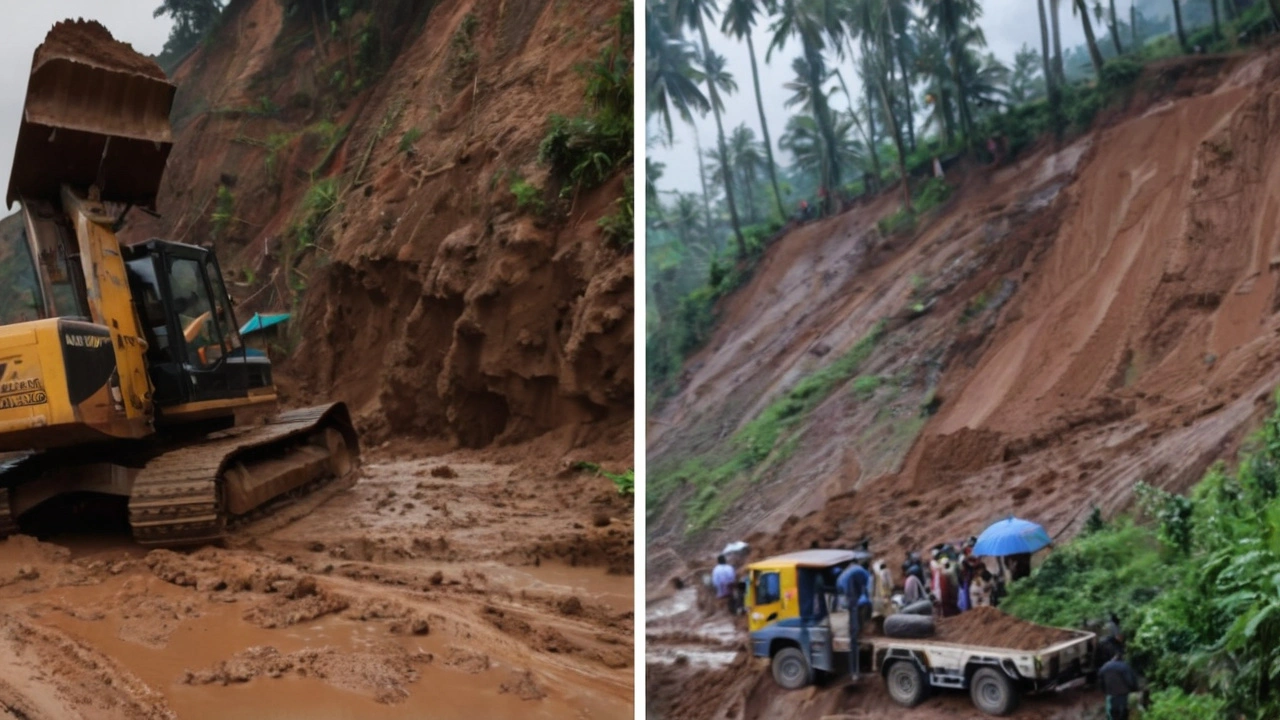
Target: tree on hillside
pixel 1026 83
pixel 1177 21
pixel 739 21
pixel 1095 55
pixel 949 17
pixel 744 154
pixel 1114 26
pixel 192 19
pixel 670 77
pixel 812 22
pixel 694 14
pixel 804 140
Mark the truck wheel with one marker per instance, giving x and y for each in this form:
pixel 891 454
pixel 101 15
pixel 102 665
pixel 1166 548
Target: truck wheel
pixel 908 626
pixel 992 692
pixel 919 607
pixel 791 669
pixel 906 683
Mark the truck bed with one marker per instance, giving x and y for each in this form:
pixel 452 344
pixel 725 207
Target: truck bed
pixel 944 659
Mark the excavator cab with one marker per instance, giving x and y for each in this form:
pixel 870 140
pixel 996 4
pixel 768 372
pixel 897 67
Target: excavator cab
pixel 194 350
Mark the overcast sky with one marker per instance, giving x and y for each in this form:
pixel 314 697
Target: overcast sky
pixel 25 25
pixel 1007 25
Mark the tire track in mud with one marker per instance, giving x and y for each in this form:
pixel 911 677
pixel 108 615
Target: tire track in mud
pixel 482 589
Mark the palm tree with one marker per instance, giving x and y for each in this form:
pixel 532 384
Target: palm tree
pixel 1060 77
pixel 1217 25
pixel 804 140
pixel 1177 20
pixel 939 88
pixel 702 178
pixel 694 13
pixel 670 77
pixel 1115 28
pixel 1025 84
pixel 1050 80
pixel 949 16
pixel 652 174
pixel 739 21
pixel 1094 54
pixel 744 153
pixel 812 22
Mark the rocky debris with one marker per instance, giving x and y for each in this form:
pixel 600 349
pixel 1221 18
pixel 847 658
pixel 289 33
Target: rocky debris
pixel 523 685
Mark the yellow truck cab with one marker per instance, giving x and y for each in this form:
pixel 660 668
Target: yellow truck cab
pixel 787 609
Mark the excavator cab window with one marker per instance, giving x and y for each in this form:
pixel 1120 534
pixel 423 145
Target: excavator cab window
pixel 197 313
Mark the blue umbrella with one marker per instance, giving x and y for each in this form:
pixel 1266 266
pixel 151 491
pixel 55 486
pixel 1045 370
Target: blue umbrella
pixel 1010 537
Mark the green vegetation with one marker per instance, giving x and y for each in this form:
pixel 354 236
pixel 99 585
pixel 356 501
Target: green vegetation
pixel 618 227
pixel 409 140
pixel 528 196
pixel 866 386
pixel 464 58
pixel 774 430
pixel 321 200
pixel 223 212
pixel 1195 587
pixel 624 481
pixel 586 150
pixel 193 20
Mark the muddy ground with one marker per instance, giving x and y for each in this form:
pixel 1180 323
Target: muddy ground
pixel 462 585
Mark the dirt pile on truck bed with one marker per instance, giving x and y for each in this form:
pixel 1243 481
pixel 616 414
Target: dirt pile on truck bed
pixel 989 627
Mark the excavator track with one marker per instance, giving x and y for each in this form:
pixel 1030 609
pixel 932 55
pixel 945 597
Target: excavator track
pixel 180 497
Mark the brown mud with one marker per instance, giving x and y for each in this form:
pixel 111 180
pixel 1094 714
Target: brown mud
pixel 1095 315
pixel 488 594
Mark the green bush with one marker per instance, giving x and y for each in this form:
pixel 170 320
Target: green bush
pixel 223 212
pixel 1197 593
pixel 528 196
pixel 409 139
pixel 618 227
pixel 902 221
pixel 931 193
pixel 865 386
pixel 1174 704
pixel 1119 74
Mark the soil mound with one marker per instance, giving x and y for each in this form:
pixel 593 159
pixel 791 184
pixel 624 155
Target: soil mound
pixel 988 626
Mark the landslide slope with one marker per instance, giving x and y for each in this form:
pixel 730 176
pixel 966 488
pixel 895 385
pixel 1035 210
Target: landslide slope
pixel 1092 316
pixel 358 172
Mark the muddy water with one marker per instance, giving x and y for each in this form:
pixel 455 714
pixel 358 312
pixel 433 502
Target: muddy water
pixel 588 583
pixel 219 634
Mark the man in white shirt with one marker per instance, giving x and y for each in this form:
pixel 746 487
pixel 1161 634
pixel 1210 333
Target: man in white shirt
pixel 723 577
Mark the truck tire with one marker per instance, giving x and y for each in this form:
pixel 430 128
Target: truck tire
pixel 791 669
pixel 919 607
pixel 907 685
pixel 993 692
pixel 908 626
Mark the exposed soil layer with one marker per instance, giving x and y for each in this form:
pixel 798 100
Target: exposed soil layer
pixel 89 41
pixel 989 627
pixel 1094 315
pixel 366 174
pixel 406 596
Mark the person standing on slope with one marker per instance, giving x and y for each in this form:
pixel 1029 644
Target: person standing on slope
pixel 1117 680
pixel 723 577
pixel 854 584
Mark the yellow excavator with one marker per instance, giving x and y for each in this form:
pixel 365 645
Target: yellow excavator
pixel 133 381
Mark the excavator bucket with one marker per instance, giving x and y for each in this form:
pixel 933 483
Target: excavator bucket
pixel 96 113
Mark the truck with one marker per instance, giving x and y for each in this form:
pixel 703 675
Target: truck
pixel 794 621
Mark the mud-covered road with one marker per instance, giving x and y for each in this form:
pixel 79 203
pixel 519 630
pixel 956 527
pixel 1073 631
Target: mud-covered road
pixel 458 586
